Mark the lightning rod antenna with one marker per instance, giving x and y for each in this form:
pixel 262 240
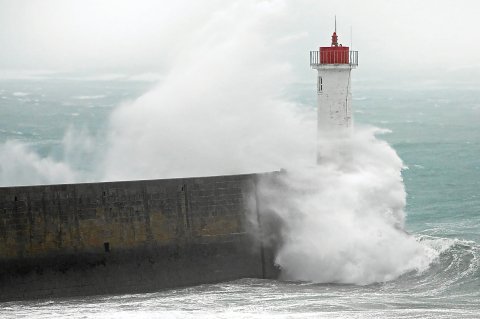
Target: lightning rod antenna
pixel 335 23
pixel 351 37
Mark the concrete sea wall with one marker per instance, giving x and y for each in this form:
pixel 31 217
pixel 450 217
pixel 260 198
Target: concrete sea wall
pixel 127 237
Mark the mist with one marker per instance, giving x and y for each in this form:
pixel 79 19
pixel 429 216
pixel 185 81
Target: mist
pixel 399 41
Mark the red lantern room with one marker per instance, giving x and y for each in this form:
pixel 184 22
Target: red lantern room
pixel 334 54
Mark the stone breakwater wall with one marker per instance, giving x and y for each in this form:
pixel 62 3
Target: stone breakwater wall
pixel 128 237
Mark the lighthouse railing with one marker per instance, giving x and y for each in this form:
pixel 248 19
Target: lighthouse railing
pixel 333 58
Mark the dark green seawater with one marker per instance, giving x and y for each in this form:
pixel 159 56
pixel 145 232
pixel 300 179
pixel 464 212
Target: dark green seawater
pixel 436 132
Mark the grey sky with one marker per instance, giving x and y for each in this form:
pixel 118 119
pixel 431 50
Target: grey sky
pixel 417 38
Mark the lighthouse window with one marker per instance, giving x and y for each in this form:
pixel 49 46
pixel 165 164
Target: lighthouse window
pixel 320 85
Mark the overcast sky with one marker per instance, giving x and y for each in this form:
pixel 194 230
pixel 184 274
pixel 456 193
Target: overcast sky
pixel 409 37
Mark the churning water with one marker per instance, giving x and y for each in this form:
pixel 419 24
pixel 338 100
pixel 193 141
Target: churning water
pixel 435 132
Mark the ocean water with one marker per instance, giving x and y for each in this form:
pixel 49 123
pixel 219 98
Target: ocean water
pixel 435 131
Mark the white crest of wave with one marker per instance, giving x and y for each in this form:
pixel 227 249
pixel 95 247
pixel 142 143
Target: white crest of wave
pixel 343 219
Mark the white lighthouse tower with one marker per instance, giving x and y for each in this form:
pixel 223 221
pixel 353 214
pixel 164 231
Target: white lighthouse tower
pixel 334 65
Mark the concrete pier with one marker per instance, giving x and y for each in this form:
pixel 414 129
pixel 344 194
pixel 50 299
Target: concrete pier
pixel 127 237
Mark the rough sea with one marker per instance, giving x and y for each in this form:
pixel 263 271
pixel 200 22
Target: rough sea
pixel 435 131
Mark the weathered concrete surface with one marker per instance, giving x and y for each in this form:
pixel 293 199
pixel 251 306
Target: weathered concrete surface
pixel 125 237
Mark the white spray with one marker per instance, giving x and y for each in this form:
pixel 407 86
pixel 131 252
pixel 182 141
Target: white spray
pixel 343 220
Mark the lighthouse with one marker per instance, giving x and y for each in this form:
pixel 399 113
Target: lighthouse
pixel 334 64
